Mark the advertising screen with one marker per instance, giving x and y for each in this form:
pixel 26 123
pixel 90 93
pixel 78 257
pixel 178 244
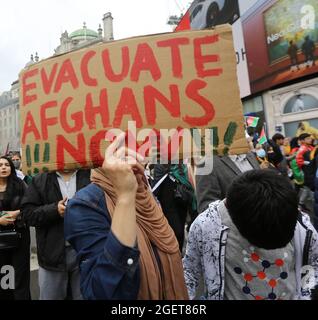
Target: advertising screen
pixel 281 40
pixel 276 41
pixel 290 20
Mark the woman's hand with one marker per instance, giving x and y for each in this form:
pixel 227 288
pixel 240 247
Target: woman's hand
pixel 8 218
pixel 13 214
pixel 121 166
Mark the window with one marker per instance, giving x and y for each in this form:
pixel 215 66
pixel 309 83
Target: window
pixel 300 103
pixel 253 105
pixel 291 127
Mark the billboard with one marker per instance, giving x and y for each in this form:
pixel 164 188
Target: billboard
pixel 285 37
pixel 276 41
pixel 281 39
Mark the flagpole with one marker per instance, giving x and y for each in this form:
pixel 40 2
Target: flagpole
pixel 7 151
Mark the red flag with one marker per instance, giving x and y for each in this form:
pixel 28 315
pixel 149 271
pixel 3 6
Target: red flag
pixel 252 121
pixel 184 24
pixel 262 139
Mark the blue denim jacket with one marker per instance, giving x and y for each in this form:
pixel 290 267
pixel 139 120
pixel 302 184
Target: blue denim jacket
pixel 109 270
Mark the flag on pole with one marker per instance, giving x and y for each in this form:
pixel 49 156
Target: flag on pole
pixel 262 139
pixel 251 121
pixel 7 150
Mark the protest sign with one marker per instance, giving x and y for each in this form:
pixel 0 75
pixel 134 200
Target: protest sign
pixel 68 103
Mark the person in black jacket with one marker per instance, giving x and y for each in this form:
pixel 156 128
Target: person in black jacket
pixel 43 207
pixel 174 208
pixel 308 48
pixel 275 155
pixel 12 190
pixel 214 185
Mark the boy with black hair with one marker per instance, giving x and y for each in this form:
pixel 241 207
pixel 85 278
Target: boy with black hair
pixel 253 244
pixel 275 155
pixel 305 140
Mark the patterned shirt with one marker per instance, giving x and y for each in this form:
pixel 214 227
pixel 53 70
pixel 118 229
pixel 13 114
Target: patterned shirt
pixel 206 255
pixel 253 273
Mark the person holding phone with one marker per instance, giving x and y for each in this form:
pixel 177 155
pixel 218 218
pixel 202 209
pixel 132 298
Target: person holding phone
pixel 12 190
pixel 44 207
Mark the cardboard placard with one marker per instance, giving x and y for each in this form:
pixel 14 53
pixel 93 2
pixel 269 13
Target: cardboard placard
pixel 175 80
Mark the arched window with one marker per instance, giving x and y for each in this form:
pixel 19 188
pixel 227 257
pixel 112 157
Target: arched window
pixel 301 102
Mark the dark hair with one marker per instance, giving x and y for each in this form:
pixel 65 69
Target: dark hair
pixel 263 206
pixel 250 131
pixel 277 136
pixel 294 143
pixel 14 186
pixel 16 153
pixel 303 136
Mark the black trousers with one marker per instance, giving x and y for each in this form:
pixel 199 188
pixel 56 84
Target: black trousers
pixel 19 259
pixel 294 60
pixel 175 212
pixel 309 56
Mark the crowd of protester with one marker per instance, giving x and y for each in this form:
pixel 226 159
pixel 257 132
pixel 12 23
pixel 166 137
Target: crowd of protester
pixel 129 230
pixel 296 158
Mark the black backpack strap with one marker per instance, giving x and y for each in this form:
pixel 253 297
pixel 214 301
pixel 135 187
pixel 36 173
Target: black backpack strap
pixel 300 220
pixel 307 243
